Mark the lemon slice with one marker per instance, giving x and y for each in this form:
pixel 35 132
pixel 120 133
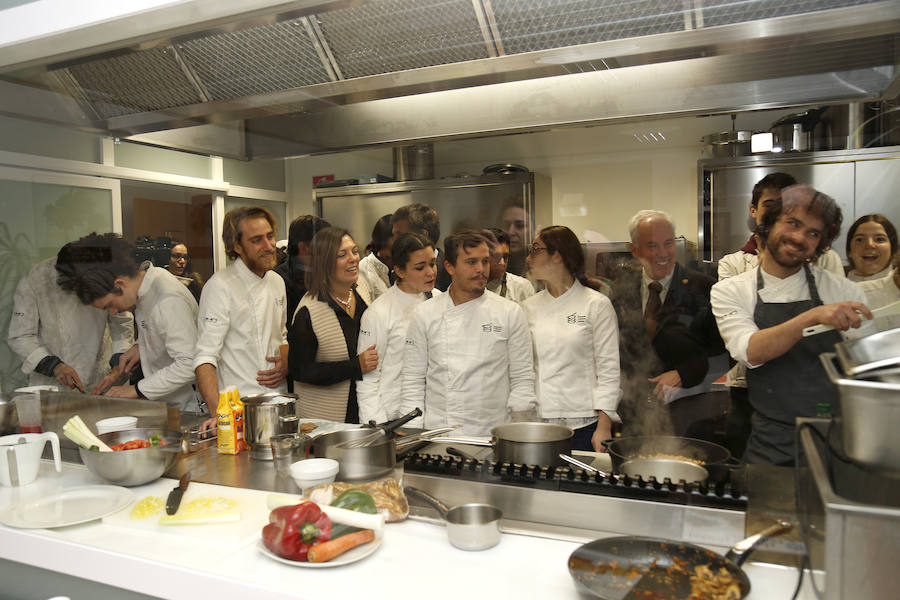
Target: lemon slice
pixel 204 510
pixel 146 508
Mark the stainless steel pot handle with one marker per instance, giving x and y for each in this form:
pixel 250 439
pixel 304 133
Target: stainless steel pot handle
pixel 584 466
pixel 471 441
pixel 437 504
pixel 739 553
pixel 827 359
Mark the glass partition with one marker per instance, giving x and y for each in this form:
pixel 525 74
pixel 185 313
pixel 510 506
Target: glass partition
pixel 39 213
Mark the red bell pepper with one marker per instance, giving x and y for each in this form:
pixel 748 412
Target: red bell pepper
pixel 292 530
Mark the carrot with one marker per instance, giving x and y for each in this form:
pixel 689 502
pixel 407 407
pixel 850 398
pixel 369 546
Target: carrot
pixel 332 548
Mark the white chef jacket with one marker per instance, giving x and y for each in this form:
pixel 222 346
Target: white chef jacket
pixel 49 321
pixel 375 274
pixel 853 276
pixel 576 352
pixel 468 364
pixel 517 288
pixel 385 324
pixel 241 321
pixel 734 300
pixel 166 317
pixel 881 292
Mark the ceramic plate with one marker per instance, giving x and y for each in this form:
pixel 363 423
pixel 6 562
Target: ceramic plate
pixel 67 507
pixel 358 553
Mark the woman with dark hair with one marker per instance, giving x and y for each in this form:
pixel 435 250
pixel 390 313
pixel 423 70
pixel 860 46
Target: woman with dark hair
pixel 871 244
pixel 374 269
pixel 322 358
pixel 180 266
pixel 385 323
pixel 576 341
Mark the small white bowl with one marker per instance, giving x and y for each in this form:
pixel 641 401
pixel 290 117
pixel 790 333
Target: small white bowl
pixel 314 471
pixel 116 424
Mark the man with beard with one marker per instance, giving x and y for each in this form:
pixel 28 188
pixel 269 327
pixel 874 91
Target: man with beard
pixel 666 329
pixel 468 357
pixel 762 313
pixel 242 339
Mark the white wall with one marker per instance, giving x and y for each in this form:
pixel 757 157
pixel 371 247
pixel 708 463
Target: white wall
pixel 600 175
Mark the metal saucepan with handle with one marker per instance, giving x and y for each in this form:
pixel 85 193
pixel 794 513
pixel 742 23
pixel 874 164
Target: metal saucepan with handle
pixel 472 526
pixel 643 567
pixel 524 443
pixel 373 459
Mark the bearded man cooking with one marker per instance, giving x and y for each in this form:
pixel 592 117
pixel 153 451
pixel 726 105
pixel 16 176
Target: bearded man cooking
pixel 762 313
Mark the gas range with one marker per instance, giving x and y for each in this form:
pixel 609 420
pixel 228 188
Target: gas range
pixel 573 503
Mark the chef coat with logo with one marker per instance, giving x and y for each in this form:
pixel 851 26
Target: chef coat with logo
pixel 469 364
pixel 166 317
pixel 576 353
pixel 241 321
pixel 49 321
pixel 385 324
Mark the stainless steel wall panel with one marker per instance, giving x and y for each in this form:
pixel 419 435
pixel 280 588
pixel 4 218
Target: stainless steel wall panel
pixel 255 61
pixel 385 36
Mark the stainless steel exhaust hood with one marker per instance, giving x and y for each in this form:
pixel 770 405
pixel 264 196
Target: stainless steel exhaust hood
pixel 342 75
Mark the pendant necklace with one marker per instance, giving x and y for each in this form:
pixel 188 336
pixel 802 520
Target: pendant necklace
pixel 345 303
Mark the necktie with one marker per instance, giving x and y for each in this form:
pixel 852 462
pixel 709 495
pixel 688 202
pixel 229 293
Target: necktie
pixel 651 312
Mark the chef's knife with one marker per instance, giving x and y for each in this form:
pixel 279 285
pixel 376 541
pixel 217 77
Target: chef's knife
pixel 174 499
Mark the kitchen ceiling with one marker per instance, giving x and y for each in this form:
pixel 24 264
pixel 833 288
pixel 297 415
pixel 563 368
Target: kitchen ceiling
pixel 342 75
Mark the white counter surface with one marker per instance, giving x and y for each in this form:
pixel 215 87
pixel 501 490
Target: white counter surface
pixel 415 559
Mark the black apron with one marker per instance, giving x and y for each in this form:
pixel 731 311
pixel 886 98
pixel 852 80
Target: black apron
pixel 789 386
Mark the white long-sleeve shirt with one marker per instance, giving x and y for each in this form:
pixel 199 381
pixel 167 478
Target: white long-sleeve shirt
pixel 166 316
pixel 48 321
pixel 734 300
pixel 241 321
pixel 468 364
pixel 385 324
pixel 375 274
pixel 576 353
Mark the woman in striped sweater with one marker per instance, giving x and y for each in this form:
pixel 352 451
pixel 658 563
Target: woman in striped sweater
pixel 323 360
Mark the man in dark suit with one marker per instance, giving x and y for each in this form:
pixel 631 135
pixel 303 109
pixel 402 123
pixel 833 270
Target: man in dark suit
pixel 666 329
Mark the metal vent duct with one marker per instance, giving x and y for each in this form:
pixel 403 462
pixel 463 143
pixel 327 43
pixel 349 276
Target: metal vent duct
pixel 344 53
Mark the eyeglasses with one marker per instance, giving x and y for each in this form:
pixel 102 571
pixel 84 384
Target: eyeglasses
pixel 532 249
pixel 179 256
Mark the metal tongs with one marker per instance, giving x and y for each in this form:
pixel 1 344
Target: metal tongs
pixel 381 433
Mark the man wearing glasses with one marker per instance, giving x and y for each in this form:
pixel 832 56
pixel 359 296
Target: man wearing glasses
pixel 500 281
pixel 666 329
pixel 468 357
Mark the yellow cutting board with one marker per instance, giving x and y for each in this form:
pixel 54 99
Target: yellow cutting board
pixel 250 503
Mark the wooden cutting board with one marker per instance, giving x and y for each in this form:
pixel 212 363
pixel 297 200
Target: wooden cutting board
pixel 251 503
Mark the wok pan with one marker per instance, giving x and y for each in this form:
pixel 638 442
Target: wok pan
pixel 715 458
pixel 642 567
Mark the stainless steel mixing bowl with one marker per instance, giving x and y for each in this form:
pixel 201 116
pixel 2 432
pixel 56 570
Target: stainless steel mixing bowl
pixel 133 467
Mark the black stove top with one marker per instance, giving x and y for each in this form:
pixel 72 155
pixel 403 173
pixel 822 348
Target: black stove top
pixel 729 493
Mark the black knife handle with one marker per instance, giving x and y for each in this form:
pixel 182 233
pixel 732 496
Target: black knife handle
pixel 174 500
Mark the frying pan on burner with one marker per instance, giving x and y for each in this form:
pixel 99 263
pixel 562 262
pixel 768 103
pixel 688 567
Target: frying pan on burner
pixel 628 567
